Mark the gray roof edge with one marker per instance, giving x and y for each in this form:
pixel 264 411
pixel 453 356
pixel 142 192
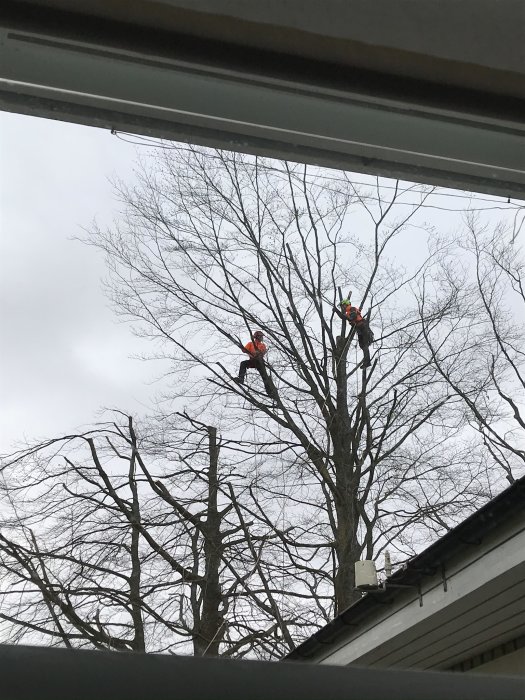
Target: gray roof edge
pixel 468 532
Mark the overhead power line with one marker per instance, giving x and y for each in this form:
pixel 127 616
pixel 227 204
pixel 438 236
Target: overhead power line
pixel 500 202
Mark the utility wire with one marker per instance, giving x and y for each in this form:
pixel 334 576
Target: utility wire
pixel 138 140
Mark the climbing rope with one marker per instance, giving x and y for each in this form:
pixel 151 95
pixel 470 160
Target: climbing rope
pixel 283 522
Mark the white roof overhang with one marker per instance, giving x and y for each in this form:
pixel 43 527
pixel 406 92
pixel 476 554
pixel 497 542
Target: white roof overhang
pixel 434 97
pixel 473 603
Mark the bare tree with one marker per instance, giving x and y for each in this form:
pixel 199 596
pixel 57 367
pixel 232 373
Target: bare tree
pixel 477 346
pixel 113 540
pixel 237 532
pixel 214 245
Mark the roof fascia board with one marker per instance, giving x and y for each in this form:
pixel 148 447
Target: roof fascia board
pixel 493 523
pixel 187 97
pixel 408 611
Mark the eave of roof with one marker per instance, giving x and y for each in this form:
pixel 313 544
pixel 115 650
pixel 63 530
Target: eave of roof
pixel 470 531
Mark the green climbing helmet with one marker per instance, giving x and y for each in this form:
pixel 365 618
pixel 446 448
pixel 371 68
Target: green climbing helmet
pixel 345 302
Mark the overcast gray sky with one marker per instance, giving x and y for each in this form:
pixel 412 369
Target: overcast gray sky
pixel 62 352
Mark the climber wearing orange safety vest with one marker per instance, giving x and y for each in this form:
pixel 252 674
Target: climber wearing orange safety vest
pixel 256 349
pixel 364 334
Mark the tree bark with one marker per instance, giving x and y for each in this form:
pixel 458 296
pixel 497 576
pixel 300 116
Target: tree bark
pixel 209 629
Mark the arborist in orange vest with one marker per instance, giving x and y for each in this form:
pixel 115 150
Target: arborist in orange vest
pixel 256 349
pixel 364 335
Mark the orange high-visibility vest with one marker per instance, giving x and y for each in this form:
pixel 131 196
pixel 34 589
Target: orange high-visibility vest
pixel 350 310
pixel 253 348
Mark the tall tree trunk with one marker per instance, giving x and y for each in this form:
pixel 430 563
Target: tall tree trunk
pixel 346 545
pixel 139 643
pixel 347 551
pixel 210 630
